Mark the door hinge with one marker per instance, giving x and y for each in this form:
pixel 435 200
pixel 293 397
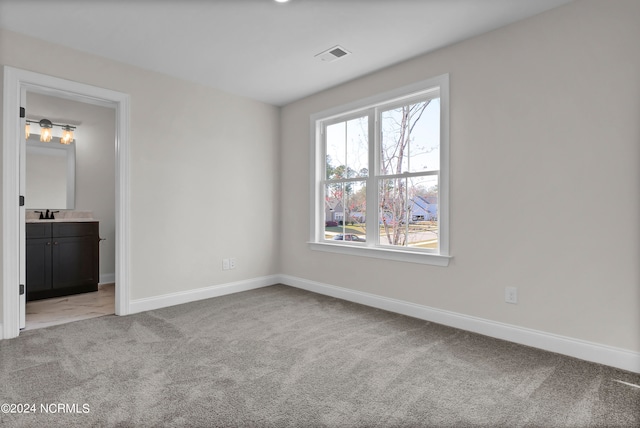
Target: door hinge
pixel 21 289
pixel 23 112
pixel 21 201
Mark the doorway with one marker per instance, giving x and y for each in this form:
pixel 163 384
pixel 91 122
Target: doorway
pixel 16 83
pixel 74 178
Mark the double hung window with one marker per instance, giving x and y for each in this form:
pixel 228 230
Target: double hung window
pixel 380 179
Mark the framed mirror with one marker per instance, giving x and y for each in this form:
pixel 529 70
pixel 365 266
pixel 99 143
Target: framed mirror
pixel 50 175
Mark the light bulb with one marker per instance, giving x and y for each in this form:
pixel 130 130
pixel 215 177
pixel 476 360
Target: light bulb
pixel 67 135
pixel 45 135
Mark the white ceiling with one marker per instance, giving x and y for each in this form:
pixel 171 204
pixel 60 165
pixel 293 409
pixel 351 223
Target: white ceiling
pixel 259 48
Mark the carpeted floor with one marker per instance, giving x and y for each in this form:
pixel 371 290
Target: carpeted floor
pixel 279 356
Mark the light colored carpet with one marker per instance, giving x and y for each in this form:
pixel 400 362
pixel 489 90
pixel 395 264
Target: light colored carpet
pixel 278 357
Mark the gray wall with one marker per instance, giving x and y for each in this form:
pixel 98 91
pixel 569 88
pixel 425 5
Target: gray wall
pixel 545 187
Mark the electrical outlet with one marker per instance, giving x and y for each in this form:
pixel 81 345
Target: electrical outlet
pixel 225 264
pixel 232 263
pixel 511 295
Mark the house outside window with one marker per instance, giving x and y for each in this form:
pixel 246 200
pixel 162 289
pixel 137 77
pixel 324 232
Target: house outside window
pixel 381 175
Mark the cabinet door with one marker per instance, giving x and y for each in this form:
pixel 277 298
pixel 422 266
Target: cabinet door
pixel 38 261
pixel 75 261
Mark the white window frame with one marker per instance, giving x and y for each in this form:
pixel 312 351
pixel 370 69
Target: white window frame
pixel 370 248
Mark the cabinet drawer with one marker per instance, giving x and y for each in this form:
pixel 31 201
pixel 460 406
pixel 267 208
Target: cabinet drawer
pixel 38 230
pixel 75 229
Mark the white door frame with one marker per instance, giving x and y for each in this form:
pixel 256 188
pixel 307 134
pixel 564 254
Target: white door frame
pixel 14 81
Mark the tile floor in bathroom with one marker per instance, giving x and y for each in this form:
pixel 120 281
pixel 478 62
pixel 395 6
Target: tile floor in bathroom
pixel 60 310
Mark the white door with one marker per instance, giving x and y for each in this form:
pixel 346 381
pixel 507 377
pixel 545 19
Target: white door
pixel 21 217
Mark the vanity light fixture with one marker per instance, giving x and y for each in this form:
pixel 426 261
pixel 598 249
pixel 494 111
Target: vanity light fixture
pixel 46 132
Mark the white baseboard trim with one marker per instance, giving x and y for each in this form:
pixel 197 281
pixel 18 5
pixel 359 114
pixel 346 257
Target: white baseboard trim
pixel 158 302
pixel 107 278
pixel 589 351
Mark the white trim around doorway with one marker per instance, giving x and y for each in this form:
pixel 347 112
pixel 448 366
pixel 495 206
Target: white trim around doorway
pixel 14 80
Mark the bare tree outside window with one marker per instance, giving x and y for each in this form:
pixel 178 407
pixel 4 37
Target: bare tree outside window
pixel 406 157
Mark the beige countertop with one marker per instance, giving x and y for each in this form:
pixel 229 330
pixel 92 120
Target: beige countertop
pixel 61 216
pixel 60 220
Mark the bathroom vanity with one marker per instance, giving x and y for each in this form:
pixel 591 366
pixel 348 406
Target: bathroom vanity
pixel 62 257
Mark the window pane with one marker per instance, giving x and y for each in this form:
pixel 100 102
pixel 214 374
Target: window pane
pixel 345 211
pixel 409 212
pixel 356 211
pixel 333 208
pixel 411 138
pixel 393 210
pixel 348 149
pixel 423 212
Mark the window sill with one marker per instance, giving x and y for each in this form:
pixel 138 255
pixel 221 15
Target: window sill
pixel 383 253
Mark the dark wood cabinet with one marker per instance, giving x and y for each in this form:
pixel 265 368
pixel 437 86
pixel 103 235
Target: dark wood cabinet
pixel 62 258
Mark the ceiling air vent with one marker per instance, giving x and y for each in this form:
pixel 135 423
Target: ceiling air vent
pixel 333 54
